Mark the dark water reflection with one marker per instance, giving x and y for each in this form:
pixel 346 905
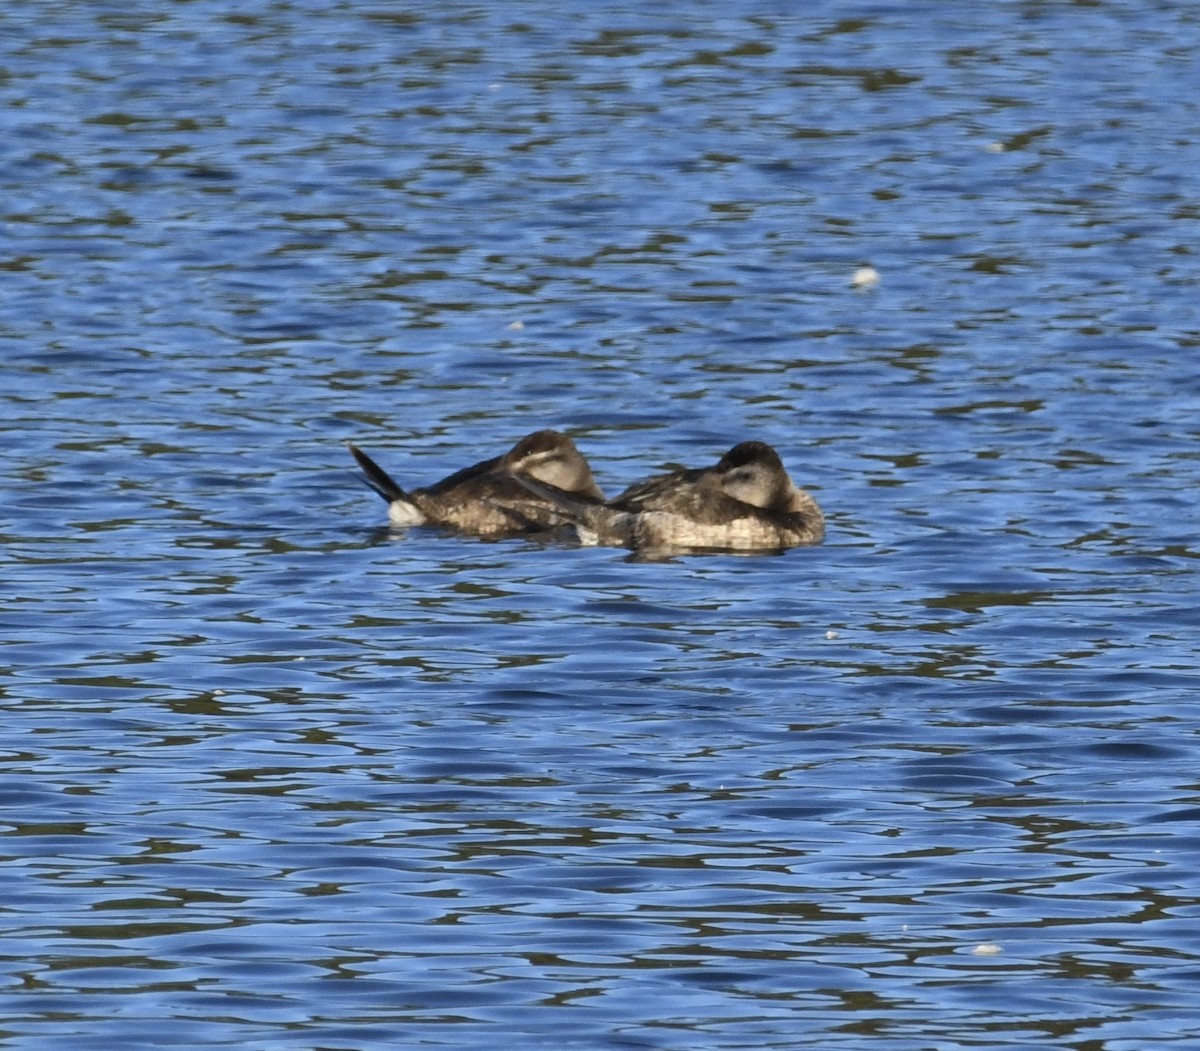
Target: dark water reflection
pixel 274 777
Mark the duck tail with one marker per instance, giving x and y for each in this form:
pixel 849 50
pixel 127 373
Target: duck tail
pixel 590 516
pixel 377 478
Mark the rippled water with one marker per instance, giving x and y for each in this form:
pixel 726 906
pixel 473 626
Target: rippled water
pixel 274 777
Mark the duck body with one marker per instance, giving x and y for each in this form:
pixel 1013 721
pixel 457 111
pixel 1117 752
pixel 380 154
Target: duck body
pixel 745 502
pixel 486 498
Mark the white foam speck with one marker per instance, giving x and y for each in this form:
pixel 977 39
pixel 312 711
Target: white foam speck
pixel 865 277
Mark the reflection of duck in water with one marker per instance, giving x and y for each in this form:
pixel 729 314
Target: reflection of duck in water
pixel 744 502
pixel 486 498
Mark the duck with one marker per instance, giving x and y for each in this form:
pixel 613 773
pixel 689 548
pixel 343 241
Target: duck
pixel 486 499
pixel 745 502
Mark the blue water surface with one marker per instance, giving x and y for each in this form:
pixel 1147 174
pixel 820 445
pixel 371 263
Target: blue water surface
pixel 276 777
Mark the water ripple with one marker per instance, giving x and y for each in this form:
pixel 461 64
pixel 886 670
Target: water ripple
pixel 276 777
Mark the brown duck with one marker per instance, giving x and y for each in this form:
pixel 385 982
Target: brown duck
pixel 746 501
pixel 486 498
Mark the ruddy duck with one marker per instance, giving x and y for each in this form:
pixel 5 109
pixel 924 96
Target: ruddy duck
pixel 744 502
pixel 486 498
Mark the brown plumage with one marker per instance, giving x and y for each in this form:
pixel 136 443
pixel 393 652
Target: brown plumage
pixel 744 502
pixel 486 498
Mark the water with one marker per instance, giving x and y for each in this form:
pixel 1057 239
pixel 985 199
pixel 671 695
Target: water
pixel 276 778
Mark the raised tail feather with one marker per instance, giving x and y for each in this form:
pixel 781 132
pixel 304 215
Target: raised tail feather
pixel 376 477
